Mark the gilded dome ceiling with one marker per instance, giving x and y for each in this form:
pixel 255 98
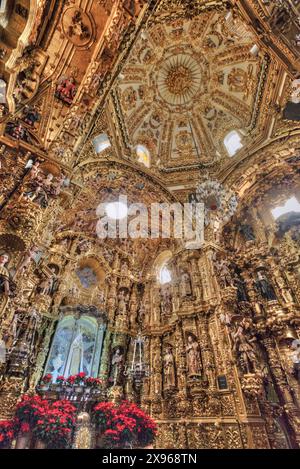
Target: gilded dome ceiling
pixel 186 85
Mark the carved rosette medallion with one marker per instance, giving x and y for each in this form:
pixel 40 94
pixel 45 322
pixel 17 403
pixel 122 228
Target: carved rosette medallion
pixel 78 27
pixel 179 79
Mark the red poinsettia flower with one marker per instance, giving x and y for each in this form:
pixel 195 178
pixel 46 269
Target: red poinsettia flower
pixel 29 409
pixel 7 433
pixel 93 382
pixel 80 378
pixel 146 428
pixel 71 380
pixel 124 425
pixel 47 379
pixel 57 425
pixel 25 427
pixel 51 422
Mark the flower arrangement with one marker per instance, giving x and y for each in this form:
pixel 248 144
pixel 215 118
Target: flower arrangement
pixel 56 424
pixel 103 414
pixel 7 433
pixel 77 380
pixel 123 426
pixel 80 378
pixel 50 422
pixel 122 432
pixel 145 426
pixel 46 379
pixel 53 423
pixel 71 380
pixel 93 382
pixel 60 380
pixel 28 411
pixel 74 380
pixel 65 407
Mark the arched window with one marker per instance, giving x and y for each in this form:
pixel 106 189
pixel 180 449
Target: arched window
pixel 3 6
pixel 232 142
pixel 291 205
pixel 76 347
pixel 143 155
pixel 116 210
pixel 164 275
pixel 161 267
pixel 101 142
pixel 254 50
pixel 2 92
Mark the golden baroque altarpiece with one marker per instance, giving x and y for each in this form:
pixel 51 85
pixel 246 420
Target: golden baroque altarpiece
pixel 175 77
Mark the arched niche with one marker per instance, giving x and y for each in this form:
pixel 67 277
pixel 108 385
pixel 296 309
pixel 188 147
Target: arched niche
pixel 160 269
pixel 21 21
pixel 77 343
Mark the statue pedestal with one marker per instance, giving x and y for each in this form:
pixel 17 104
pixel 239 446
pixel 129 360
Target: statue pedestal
pixel 252 384
pixel 197 385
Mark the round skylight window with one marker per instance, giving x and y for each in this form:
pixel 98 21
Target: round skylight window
pixel 116 210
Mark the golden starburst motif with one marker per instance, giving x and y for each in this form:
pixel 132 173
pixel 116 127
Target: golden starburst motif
pixel 179 79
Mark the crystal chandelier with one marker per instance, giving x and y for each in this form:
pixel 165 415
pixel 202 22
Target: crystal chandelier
pixel 137 370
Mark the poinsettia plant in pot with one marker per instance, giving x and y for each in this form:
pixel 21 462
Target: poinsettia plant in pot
pixel 123 426
pixel 7 433
pixel 46 381
pixel 80 378
pixel 51 423
pixel 145 429
pixel 114 429
pixel 60 380
pixel 26 416
pixel 102 415
pixel 70 381
pixel 121 434
pixel 76 380
pixel 93 382
pixel 28 411
pixel 56 424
